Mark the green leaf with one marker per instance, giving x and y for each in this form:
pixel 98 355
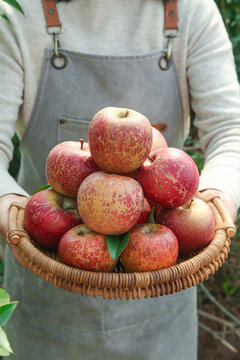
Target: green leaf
pixel 225 287
pixel 151 219
pixel 197 158
pixel 5 348
pixel 6 312
pixel 1 268
pixel 3 16
pixel 117 243
pixel 42 188
pixel 14 164
pixel 4 297
pixel 15 4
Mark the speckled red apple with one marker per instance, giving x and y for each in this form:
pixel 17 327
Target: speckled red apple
pixel 144 216
pixel 48 215
pixel 169 177
pixel 150 247
pixel 110 204
pixel 119 139
pixel 158 140
pixel 192 223
pixel 85 249
pixel 68 164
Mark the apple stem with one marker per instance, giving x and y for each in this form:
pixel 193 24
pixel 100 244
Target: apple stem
pixel 68 203
pixel 127 112
pixel 150 158
pixel 81 143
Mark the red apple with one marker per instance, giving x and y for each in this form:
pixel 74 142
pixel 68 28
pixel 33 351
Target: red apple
pixel 150 247
pixel 158 140
pixel 68 164
pixel 192 223
pixel 144 216
pixel 119 139
pixel 48 215
pixel 110 204
pixel 85 249
pixel 169 177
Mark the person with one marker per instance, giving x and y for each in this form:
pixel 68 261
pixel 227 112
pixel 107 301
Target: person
pixel 111 53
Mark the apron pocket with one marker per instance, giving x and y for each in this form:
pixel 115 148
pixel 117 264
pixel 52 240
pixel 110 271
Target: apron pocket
pixel 72 129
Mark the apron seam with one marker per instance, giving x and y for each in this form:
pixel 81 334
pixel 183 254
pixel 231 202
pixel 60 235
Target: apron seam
pixel 108 58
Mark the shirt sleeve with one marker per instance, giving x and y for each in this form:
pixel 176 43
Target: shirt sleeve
pixel 11 93
pixel 215 99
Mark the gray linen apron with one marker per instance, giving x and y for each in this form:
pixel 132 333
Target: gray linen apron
pixel 50 323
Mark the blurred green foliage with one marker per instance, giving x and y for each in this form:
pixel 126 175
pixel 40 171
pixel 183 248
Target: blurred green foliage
pixel 230 11
pixel 15 163
pixel 13 3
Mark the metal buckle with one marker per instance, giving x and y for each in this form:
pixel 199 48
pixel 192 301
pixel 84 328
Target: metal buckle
pixel 55 33
pixel 58 60
pixel 164 61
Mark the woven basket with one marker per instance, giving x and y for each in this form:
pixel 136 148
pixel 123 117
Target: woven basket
pixel 119 285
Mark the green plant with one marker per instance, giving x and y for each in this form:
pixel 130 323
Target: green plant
pixel 6 310
pixel 228 287
pixel 13 3
pixel 15 162
pixel 230 11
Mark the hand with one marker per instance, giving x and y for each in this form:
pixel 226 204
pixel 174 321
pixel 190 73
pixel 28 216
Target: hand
pixel 5 202
pixel 227 201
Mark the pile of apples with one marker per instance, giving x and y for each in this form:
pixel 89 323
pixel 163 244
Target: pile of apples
pixel 102 192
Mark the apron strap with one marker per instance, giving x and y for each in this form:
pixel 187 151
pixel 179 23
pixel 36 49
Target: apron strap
pixel 52 20
pixel 170 27
pixel 170 15
pixel 170 32
pixel 51 13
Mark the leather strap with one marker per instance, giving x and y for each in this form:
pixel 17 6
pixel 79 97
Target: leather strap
pixel 170 15
pixel 51 13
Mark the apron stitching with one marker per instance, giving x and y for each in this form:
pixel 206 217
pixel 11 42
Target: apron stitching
pixel 107 58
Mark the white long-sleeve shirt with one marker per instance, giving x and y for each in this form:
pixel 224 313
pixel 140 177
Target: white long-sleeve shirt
pixel 202 53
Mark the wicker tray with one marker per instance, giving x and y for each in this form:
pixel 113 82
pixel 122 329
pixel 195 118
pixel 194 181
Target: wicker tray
pixel 119 285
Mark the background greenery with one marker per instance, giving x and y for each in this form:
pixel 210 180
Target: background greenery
pixel 230 10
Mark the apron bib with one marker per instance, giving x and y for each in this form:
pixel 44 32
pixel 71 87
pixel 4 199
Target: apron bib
pixel 68 99
pixel 51 323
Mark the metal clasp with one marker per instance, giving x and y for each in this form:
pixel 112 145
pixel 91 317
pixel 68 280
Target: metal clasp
pixel 58 60
pixel 165 60
pixel 55 33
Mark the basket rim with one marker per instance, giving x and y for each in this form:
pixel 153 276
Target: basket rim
pixel 206 262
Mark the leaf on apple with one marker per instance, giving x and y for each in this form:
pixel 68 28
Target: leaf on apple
pixel 42 188
pixel 151 219
pixel 117 243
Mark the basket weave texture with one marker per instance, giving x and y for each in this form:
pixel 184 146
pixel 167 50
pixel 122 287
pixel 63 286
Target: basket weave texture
pixel 119 285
